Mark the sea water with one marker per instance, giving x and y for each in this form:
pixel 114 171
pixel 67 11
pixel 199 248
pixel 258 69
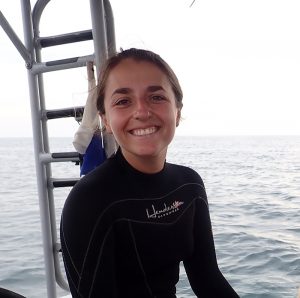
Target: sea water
pixel 253 188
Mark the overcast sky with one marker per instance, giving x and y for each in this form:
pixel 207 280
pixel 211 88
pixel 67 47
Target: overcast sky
pixel 238 62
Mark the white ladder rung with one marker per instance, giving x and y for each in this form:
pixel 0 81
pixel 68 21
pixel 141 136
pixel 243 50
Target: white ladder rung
pixel 59 157
pixel 62 182
pixel 61 64
pixel 72 37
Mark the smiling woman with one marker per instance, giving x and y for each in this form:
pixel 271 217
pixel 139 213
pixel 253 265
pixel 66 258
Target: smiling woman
pixel 127 225
pixel 141 112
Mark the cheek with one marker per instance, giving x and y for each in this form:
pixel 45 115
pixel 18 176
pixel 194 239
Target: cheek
pixel 174 115
pixel 115 122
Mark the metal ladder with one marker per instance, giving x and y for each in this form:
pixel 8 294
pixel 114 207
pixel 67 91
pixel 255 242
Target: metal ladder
pixel 103 37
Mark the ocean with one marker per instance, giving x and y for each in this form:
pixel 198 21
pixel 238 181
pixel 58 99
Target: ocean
pixel 253 188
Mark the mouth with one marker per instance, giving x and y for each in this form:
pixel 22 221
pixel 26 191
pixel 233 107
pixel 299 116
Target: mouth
pixel 144 131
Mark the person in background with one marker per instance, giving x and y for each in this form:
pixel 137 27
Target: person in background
pixel 90 121
pixel 127 225
pixel 89 139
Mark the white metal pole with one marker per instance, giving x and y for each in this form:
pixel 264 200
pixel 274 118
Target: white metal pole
pixel 100 35
pixel 38 148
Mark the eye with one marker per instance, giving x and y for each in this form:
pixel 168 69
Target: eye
pixel 122 102
pixel 157 98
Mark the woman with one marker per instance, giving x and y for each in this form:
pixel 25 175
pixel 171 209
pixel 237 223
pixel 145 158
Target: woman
pixel 128 224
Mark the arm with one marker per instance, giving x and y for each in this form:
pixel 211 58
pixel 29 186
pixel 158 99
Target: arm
pixel 90 120
pixel 202 269
pixel 87 244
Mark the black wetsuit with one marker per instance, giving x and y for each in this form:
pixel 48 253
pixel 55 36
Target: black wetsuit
pixel 124 233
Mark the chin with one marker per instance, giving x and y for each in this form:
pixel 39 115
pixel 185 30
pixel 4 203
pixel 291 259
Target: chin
pixel 151 152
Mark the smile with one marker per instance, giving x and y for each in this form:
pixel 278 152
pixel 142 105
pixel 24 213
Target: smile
pixel 144 131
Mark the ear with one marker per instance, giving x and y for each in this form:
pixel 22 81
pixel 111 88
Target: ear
pixel 178 117
pixel 105 123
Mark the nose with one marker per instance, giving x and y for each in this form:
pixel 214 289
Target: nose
pixel 142 110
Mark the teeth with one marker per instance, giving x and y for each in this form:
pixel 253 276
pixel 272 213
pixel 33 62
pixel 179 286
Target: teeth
pixel 144 132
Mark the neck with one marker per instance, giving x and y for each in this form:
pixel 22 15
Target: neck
pixel 146 164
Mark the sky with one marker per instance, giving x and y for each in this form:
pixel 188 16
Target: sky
pixel 238 62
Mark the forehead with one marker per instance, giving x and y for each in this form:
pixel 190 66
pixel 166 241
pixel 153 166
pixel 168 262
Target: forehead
pixel 131 72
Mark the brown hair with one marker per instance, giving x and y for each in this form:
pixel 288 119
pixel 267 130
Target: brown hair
pixel 138 55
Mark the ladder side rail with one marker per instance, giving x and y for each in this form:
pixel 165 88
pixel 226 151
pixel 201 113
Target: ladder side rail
pixel 111 145
pixel 41 89
pixel 40 6
pixel 99 32
pixel 15 39
pixel 110 28
pixel 100 35
pixel 51 203
pixel 37 13
pixel 41 170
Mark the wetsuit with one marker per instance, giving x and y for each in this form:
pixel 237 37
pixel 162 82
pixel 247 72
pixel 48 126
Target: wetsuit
pixel 124 233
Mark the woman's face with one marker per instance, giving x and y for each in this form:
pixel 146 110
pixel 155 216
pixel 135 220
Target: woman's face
pixel 140 110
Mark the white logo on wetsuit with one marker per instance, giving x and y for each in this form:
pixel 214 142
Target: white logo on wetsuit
pixel 167 210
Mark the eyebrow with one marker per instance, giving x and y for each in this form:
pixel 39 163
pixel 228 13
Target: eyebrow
pixel 128 90
pixel 155 88
pixel 122 91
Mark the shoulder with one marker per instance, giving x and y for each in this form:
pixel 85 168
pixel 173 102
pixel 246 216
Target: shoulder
pixel 187 179
pixel 89 188
pixel 186 173
pixel 95 177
